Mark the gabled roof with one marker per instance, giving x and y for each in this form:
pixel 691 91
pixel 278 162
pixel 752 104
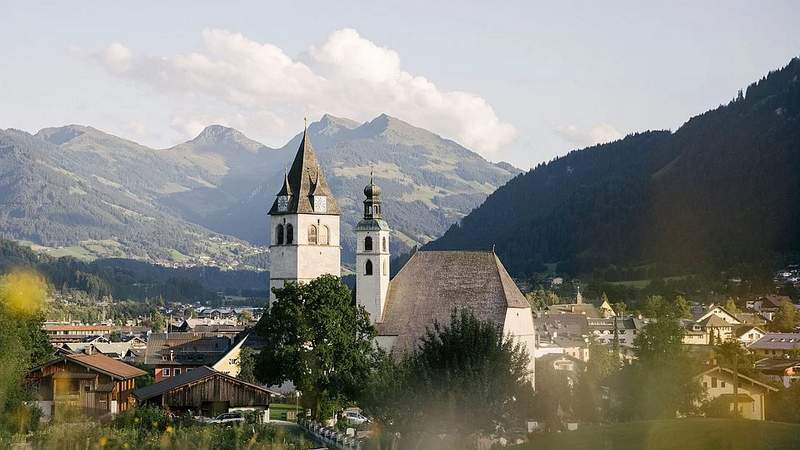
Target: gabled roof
pixel 305 179
pixel 187 348
pixel 731 373
pixel 99 363
pixel 710 312
pixel 433 284
pixel 185 378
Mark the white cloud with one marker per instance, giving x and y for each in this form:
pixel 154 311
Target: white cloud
pixel 117 58
pixel 598 134
pixel 347 75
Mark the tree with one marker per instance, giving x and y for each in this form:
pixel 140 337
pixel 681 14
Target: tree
pixel 23 344
pixel 682 308
pixel 245 317
pixel 247 365
pixel 620 308
pixel 661 381
pixel 602 365
pixel 730 306
pixel 315 336
pixel 465 379
pixel 785 319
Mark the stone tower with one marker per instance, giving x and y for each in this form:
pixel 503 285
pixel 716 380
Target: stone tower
pixel 304 225
pixel 372 255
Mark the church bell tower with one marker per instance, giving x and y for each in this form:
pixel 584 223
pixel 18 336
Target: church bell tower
pixel 372 255
pixel 304 225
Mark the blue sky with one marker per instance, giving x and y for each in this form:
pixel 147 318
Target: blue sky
pixel 515 81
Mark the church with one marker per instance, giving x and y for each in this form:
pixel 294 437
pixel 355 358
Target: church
pixel 304 227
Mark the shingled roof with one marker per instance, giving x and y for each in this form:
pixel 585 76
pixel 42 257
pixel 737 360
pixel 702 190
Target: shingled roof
pixel 432 284
pixel 305 179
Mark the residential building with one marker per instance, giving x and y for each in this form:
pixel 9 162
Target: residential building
pixel 718 383
pixel 171 354
pixel 206 392
pixel 782 371
pixel 774 345
pixel 94 384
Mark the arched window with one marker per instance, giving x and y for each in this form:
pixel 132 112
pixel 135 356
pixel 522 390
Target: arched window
pixel 324 237
pixel 279 235
pixel 368 268
pixel 383 268
pixel 312 235
pixel 385 244
pixel 289 234
pixel 368 244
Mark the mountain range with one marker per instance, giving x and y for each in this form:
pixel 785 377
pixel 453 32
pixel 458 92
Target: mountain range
pixel 79 191
pixel 721 192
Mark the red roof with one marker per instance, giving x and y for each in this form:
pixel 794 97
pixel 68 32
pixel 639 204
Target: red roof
pixel 77 328
pixel 109 366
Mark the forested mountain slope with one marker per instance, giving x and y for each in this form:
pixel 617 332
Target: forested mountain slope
pixel 721 191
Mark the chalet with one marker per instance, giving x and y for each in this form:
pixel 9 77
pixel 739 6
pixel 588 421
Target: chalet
pixel 204 391
pixel 780 370
pixel 624 329
pixel 773 345
pixel 770 303
pixel 94 384
pixel 748 334
pixel 171 354
pixel 718 382
pixel 714 324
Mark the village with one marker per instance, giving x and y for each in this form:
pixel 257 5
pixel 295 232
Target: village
pixel 200 361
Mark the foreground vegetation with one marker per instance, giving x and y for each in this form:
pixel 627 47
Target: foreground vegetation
pixel 683 434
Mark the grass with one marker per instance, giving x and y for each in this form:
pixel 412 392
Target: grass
pixel 277 411
pixel 677 434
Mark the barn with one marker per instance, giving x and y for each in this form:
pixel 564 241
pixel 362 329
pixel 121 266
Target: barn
pixel 203 391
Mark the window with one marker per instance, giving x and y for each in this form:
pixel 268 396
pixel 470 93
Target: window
pixel 368 244
pixel 368 267
pixel 324 237
pixel 176 372
pixel 722 383
pixel 289 234
pixel 312 235
pixel 165 371
pixel 384 271
pixel 713 382
pixel 385 244
pixel 279 235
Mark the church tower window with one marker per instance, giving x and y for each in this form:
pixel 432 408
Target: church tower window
pixel 279 235
pixel 289 234
pixel 312 235
pixel 385 244
pixel 368 267
pixel 324 236
pixel 368 244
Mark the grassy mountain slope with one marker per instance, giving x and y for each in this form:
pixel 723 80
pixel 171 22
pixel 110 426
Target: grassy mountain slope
pixel 205 201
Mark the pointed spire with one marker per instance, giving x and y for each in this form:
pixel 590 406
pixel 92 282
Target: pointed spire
pixel 285 189
pixel 303 182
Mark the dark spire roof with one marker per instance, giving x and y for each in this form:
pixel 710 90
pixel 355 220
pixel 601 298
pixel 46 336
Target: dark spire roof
pixel 305 179
pixel 285 189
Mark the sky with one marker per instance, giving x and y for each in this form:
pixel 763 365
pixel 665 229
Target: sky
pixel 521 82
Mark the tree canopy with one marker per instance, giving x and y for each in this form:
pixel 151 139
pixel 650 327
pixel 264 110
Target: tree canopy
pixel 315 336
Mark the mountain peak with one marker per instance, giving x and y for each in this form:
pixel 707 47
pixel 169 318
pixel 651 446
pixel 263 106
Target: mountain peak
pixel 220 135
pixel 61 135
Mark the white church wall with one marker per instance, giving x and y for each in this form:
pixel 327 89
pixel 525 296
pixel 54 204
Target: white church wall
pixel 519 325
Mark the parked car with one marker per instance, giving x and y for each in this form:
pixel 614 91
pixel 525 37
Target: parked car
pixel 355 418
pixel 229 418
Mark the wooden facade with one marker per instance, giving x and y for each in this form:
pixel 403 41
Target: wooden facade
pixel 204 391
pixel 87 384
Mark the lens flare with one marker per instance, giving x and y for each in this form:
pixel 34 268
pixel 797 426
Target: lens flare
pixel 23 291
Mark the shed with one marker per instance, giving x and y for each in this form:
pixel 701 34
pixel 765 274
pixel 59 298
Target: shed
pixel 203 391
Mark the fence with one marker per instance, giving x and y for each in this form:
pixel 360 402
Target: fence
pixel 329 436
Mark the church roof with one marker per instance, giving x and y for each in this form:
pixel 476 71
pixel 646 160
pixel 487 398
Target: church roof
pixel 305 179
pixel 432 284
